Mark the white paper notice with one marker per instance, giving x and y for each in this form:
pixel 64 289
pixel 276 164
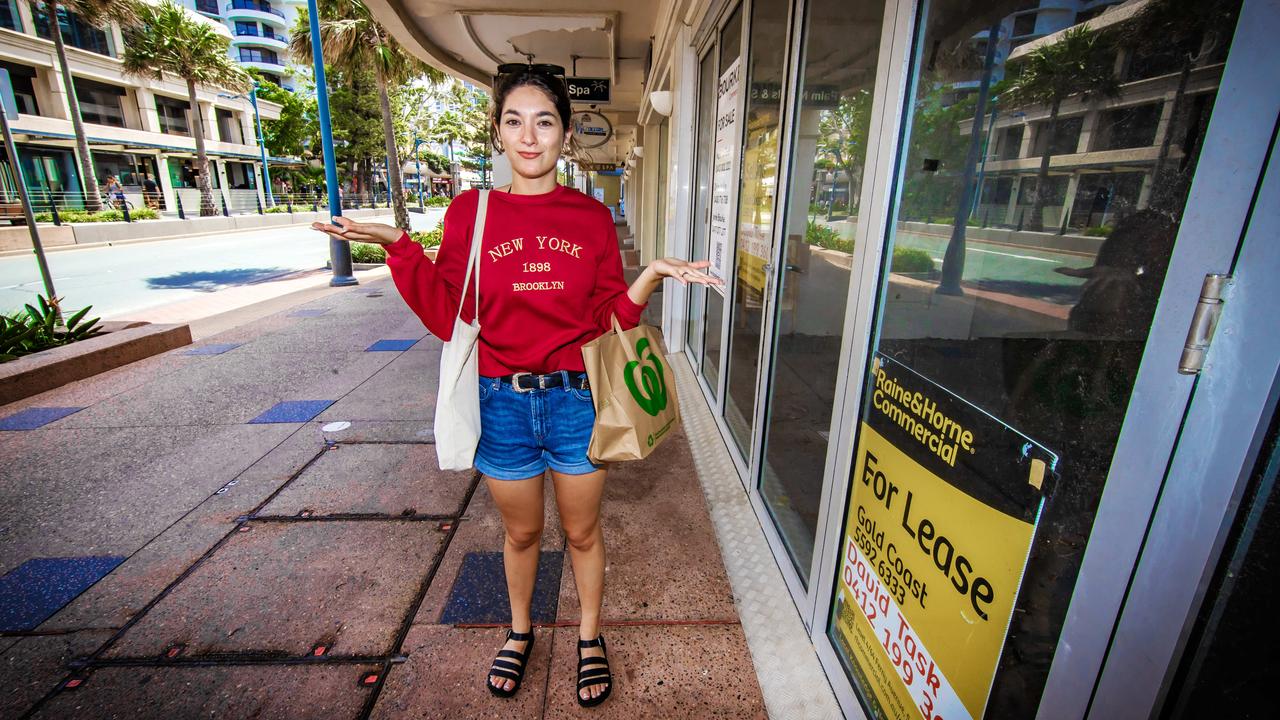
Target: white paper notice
pixel 724 174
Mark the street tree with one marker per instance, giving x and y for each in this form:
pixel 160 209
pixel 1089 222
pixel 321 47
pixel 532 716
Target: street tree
pixel 350 39
pixel 167 40
pixel 96 13
pixel 1081 63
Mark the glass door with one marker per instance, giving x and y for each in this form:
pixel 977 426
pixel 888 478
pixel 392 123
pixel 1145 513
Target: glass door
pixel 830 133
pixel 753 246
pixel 1018 286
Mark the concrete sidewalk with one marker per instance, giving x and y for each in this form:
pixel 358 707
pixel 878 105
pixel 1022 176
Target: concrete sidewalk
pixel 254 527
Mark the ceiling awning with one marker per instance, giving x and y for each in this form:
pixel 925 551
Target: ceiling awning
pixel 607 39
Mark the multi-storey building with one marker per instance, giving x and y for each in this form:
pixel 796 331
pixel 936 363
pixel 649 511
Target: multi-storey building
pixel 135 126
pixel 259 33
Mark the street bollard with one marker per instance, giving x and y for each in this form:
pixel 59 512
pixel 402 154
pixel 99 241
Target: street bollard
pixel 181 215
pixel 225 211
pixel 259 201
pixel 124 208
pixel 314 208
pixel 288 204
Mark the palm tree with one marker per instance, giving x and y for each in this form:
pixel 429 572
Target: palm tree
pixel 95 13
pixel 1080 63
pixel 168 40
pixel 351 39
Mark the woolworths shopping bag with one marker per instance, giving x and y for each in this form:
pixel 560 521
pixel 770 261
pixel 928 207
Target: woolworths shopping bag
pixel 633 391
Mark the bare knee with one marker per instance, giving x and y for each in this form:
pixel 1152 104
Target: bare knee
pixel 523 538
pixel 584 537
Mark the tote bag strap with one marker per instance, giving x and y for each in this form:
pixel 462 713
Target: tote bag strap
pixel 477 237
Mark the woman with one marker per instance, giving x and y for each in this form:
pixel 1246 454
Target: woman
pixel 551 278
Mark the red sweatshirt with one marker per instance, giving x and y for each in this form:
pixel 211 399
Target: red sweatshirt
pixel 550 277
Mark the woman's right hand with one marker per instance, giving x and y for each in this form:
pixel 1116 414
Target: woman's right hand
pixel 352 231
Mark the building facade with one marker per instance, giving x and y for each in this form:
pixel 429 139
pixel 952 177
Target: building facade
pixel 259 33
pixel 959 358
pixel 136 127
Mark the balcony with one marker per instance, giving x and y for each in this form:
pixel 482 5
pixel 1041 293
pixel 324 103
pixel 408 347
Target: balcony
pixel 251 10
pixel 245 37
pixel 264 60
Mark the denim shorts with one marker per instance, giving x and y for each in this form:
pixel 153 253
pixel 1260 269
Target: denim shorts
pixel 523 432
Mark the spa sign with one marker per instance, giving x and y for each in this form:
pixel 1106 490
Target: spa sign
pixel 941 515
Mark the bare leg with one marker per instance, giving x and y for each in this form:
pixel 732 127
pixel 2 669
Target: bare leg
pixel 578 498
pixel 520 503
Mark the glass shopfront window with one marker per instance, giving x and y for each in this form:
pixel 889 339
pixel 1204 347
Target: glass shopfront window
pixel 706 124
pixel 766 61
pixel 724 163
pixel 174 115
pixel 1003 358
pixel 100 103
pixel 820 209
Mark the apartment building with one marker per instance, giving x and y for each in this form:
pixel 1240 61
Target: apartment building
pixel 135 126
pixel 259 33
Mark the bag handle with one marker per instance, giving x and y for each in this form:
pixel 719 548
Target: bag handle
pixel 627 350
pixel 477 237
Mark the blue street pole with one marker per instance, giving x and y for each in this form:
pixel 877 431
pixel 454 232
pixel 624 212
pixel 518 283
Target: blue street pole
pixel 339 251
pixel 266 175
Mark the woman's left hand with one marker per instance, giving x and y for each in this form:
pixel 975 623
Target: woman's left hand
pixel 684 271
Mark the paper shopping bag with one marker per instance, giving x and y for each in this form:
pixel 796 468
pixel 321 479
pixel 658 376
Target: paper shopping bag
pixel 634 393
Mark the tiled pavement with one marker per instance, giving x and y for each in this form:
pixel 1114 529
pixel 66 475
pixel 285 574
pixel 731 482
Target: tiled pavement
pixel 299 566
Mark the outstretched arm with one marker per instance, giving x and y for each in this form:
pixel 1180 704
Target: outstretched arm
pixel 682 270
pixel 349 230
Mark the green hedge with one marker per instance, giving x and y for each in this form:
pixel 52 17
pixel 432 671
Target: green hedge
pixel 911 260
pixel 81 216
pixel 438 201
pixel 373 253
pixel 825 236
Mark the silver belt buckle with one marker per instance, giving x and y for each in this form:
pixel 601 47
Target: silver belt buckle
pixel 515 382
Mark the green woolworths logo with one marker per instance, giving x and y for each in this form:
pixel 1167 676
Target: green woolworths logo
pixel 653 399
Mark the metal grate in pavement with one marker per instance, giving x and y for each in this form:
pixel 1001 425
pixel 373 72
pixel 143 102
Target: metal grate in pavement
pixel 791 678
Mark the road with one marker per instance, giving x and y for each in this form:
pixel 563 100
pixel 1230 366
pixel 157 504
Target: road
pixel 126 278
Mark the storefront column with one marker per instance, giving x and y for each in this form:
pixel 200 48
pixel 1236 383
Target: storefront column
pixel 26 18
pixel 1069 200
pixel 166 183
pixel 680 193
pixel 652 159
pixel 210 121
pixel 1011 214
pixel 147 113
pixel 500 170
pixel 1144 193
pixel 60 109
pixel 257 183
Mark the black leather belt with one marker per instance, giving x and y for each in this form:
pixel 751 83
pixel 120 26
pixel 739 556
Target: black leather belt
pixel 524 382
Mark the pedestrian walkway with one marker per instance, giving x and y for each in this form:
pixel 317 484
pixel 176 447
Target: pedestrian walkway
pixel 254 526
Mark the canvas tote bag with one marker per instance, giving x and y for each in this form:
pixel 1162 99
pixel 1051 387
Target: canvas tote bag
pixel 633 391
pixel 457 423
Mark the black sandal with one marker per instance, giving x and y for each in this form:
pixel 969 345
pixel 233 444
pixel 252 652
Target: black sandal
pixel 504 668
pixel 593 675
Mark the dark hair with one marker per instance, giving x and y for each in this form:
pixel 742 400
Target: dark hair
pixel 552 85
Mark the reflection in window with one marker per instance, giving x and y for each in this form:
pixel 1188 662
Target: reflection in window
pixel 1026 282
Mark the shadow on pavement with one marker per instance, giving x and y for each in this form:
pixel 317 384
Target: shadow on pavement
pixel 211 281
